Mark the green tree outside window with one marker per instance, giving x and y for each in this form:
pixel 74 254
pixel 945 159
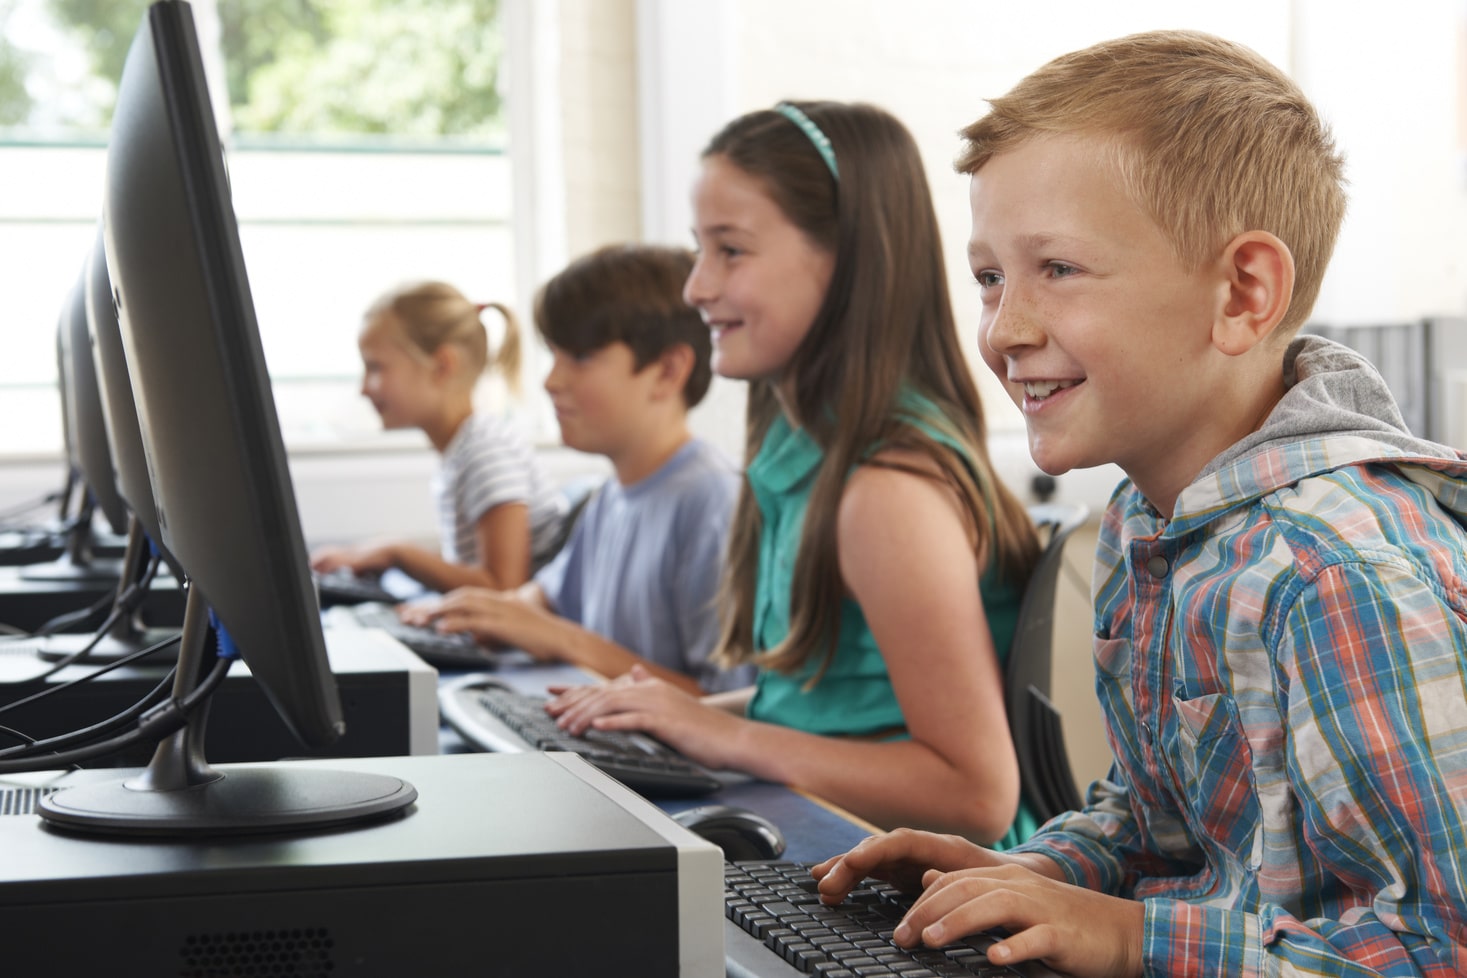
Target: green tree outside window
pixel 413 68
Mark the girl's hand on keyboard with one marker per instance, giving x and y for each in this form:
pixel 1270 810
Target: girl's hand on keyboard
pixel 639 701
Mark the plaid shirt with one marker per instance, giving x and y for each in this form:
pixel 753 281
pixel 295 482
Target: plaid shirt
pixel 1283 671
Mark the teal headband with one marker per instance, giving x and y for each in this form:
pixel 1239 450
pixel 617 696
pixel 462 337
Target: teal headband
pixel 821 141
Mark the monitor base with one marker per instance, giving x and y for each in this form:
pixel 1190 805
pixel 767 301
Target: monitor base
pixel 55 648
pixel 67 570
pixel 243 801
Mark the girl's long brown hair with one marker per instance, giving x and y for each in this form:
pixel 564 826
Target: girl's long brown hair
pixel 886 324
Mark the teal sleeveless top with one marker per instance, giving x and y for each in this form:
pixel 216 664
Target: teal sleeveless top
pixel 854 696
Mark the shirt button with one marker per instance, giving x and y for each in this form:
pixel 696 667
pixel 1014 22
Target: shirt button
pixel 1157 567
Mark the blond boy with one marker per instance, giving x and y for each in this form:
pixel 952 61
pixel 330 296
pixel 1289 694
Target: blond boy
pixel 1281 651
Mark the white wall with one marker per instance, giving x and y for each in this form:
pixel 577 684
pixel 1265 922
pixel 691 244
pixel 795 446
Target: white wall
pixel 1387 81
pixel 1392 89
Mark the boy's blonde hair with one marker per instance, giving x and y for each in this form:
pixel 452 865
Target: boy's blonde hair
pixel 425 316
pixel 1209 138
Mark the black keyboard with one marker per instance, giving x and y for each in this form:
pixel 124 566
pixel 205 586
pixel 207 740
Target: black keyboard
pixel 343 587
pixel 776 903
pixel 456 650
pixel 492 717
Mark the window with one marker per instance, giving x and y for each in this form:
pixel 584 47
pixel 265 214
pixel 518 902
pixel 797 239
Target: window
pixel 366 147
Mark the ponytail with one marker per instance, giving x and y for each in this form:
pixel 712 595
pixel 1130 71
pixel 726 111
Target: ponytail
pixel 507 358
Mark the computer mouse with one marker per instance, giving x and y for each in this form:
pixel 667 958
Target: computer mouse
pixel 740 833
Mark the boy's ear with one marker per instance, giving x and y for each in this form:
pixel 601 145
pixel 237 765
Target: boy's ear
pixel 1259 269
pixel 674 366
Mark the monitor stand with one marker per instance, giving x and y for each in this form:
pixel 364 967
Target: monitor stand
pixel 127 635
pixel 79 561
pixel 178 795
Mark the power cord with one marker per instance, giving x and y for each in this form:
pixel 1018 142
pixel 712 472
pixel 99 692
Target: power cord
pixel 99 671
pixel 30 506
pixel 153 726
pixel 126 602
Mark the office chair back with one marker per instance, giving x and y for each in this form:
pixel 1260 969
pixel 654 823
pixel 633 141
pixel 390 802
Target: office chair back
pixel 1044 764
pixel 577 493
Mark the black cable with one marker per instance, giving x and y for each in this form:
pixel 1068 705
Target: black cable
pixel 160 722
pixel 126 660
pixel 56 531
pixel 72 658
pixel 99 729
pixel 62 663
pixel 72 617
pixel 125 603
pixel 21 509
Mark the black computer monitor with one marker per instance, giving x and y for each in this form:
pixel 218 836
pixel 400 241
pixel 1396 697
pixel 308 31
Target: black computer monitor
pixel 87 449
pixel 69 448
pixel 18 532
pixel 124 437
pixel 123 633
pixel 88 423
pixel 220 484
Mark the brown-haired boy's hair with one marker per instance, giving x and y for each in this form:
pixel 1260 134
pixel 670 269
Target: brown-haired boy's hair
pixel 632 294
pixel 1209 138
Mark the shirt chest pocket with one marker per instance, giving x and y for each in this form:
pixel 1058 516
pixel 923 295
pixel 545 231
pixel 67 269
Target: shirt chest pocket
pixel 1212 762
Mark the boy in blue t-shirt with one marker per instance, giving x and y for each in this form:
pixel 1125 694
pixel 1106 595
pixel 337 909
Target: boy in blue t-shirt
pixel 636 581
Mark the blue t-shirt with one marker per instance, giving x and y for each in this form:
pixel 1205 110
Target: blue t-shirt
pixel 642 565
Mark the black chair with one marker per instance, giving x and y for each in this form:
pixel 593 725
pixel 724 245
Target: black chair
pixel 1044 764
pixel 577 493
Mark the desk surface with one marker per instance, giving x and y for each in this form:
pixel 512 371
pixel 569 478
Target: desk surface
pixel 813 830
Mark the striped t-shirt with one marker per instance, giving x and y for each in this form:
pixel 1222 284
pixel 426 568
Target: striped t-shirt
pixel 488 463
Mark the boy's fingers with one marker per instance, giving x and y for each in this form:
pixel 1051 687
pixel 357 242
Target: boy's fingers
pixel 841 874
pixel 1030 944
pixel 953 905
pixel 836 879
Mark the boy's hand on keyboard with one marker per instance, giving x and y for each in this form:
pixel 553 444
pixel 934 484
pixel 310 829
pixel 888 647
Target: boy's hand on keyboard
pixel 418 613
pixel 639 701
pixel 357 560
pixel 966 888
pixel 492 617
pixel 1071 929
pixel 900 857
